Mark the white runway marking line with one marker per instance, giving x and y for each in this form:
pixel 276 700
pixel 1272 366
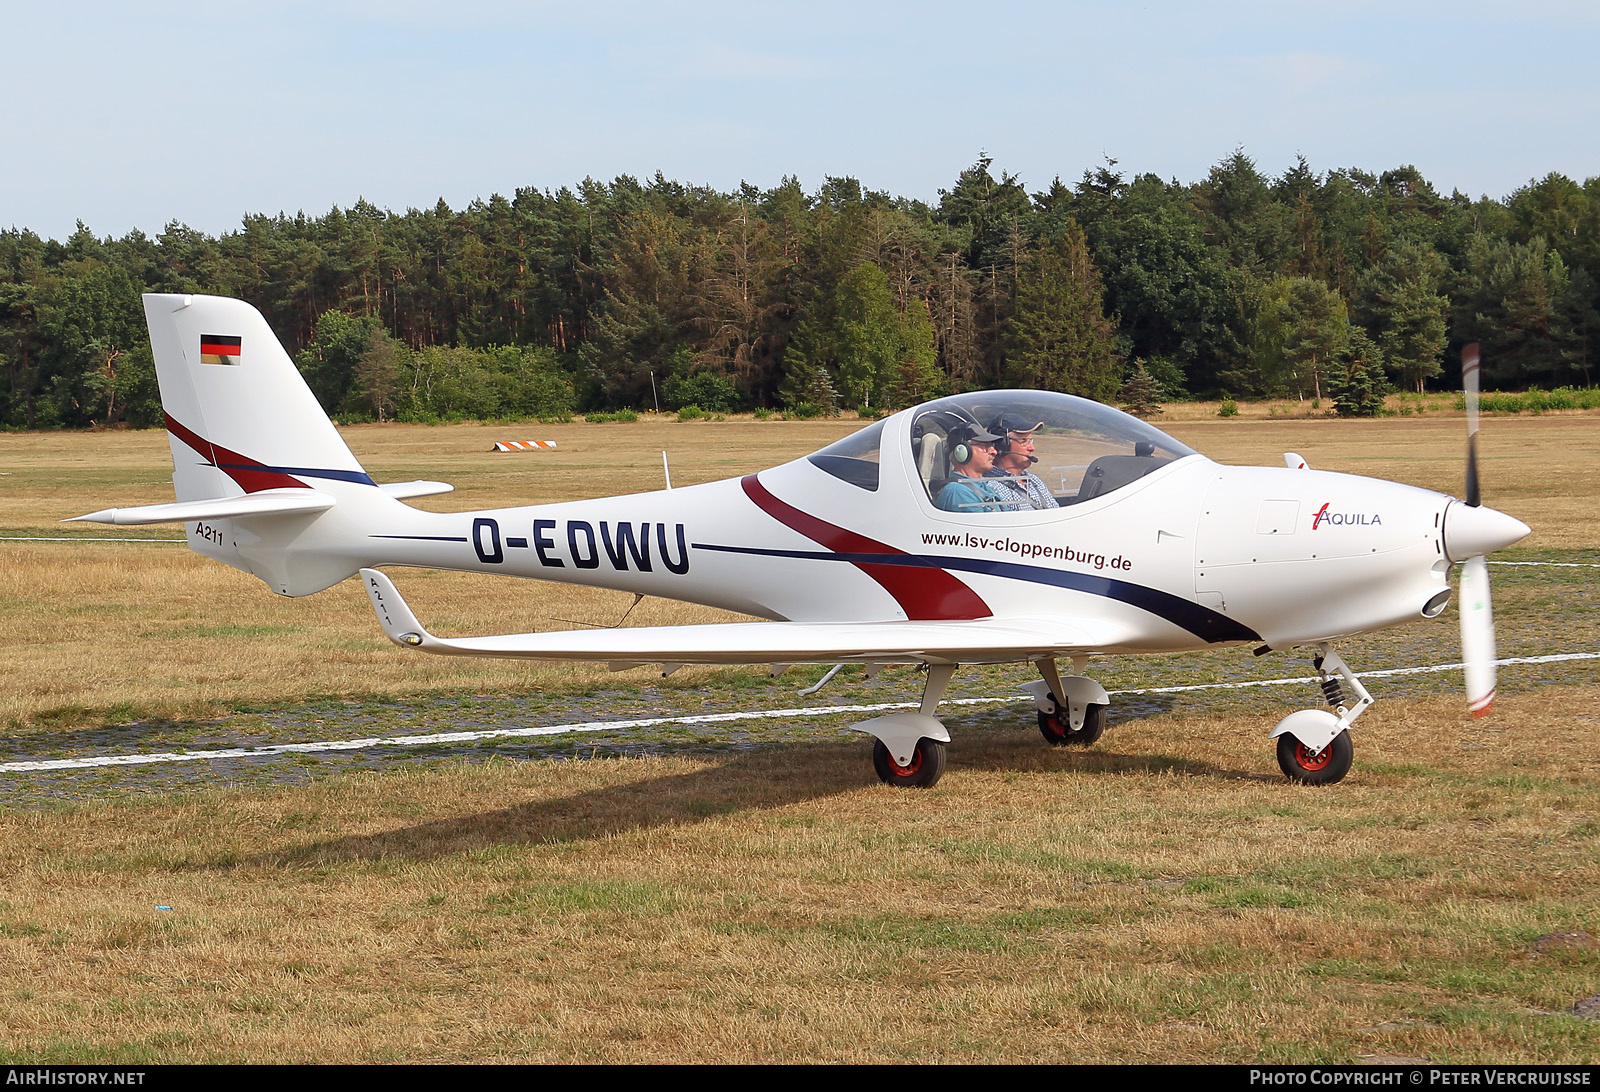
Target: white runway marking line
pixel 652 722
pixel 1553 564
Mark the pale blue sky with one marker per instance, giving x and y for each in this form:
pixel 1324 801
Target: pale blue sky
pixel 135 114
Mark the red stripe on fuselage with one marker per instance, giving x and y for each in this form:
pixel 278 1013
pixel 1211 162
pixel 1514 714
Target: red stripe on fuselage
pixel 250 475
pixel 925 593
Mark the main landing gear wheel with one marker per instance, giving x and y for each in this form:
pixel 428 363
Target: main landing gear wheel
pixel 1298 764
pixel 1057 730
pixel 923 771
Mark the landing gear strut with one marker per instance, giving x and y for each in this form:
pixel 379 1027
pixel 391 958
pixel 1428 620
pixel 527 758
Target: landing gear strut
pixel 910 749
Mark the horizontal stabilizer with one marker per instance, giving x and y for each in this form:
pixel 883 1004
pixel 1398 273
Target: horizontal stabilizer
pixel 270 502
pixel 984 640
pixel 403 490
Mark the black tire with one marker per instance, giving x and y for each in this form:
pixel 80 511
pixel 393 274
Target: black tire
pixel 1325 769
pixel 1057 730
pixel 924 771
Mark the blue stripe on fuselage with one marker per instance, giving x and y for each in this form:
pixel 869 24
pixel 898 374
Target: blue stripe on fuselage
pixel 1203 622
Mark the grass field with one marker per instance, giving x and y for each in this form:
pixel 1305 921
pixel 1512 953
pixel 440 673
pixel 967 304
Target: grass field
pixel 749 892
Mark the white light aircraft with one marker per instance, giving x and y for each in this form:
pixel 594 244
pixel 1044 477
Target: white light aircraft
pixel 1153 548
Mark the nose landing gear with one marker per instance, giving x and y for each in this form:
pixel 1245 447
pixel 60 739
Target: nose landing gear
pixel 1313 744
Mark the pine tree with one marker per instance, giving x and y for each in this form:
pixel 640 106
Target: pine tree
pixel 807 391
pixel 1141 394
pixel 1399 304
pixel 377 376
pixel 1356 380
pixel 1060 339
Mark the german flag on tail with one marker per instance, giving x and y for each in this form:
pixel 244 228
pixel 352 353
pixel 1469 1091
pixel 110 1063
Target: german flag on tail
pixel 219 349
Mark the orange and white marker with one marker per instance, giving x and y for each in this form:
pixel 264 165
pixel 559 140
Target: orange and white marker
pixel 524 445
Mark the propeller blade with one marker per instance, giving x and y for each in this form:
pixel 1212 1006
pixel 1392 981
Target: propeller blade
pixel 1469 390
pixel 1477 610
pixel 1477 635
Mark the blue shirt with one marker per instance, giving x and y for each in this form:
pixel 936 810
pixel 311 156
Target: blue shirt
pixel 963 494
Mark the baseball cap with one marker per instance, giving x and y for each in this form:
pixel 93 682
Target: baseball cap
pixel 1013 422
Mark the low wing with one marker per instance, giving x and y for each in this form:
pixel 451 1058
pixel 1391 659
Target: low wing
pixel 984 640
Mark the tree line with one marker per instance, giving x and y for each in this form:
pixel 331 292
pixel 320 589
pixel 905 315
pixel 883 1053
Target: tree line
pixel 631 294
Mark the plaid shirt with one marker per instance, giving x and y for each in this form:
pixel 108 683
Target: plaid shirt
pixel 1027 490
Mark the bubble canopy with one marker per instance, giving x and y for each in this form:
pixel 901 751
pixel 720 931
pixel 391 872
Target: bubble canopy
pixel 1083 449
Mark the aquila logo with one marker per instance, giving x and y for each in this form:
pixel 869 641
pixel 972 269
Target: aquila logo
pixel 1345 519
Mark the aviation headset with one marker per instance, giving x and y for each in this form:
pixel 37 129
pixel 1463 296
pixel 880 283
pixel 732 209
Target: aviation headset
pixel 965 435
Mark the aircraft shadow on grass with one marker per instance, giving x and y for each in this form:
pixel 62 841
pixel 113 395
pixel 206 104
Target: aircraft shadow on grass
pixel 750 782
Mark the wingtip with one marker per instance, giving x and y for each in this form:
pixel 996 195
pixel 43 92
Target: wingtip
pixel 399 624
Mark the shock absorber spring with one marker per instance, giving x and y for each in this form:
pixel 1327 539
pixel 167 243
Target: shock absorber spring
pixel 1332 690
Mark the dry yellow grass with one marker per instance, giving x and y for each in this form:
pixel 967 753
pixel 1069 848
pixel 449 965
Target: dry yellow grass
pixel 1146 901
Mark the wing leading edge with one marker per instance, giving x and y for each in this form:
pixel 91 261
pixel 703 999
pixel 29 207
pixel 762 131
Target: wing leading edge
pixel 985 640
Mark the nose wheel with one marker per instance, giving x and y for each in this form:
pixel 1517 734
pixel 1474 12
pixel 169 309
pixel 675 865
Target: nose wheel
pixel 1323 768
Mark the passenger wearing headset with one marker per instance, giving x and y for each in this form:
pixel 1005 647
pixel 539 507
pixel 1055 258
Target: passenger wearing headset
pixel 972 455
pixel 1013 456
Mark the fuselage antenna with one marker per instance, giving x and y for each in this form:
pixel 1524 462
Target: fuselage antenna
pixel 665 469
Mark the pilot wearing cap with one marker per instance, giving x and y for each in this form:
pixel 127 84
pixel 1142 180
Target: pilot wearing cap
pixel 972 455
pixel 1013 456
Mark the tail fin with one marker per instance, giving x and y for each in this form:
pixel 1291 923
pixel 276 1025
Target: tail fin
pixel 264 481
pixel 240 417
